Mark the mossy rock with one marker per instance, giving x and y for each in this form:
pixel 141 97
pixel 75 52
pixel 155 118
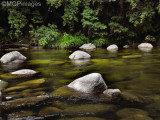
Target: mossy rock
pixel 61 105
pixel 49 111
pixel 20 114
pixel 65 92
pixel 131 56
pixel 83 118
pixel 32 83
pixel 89 109
pixel 15 88
pixel 127 112
pixel 137 117
pixel 130 97
pixel 22 102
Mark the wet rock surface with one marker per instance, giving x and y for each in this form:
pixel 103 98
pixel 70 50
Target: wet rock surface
pixel 12 56
pixel 79 55
pixel 20 114
pixel 90 83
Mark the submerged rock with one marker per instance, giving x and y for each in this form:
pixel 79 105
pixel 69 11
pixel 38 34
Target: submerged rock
pixel 131 56
pixel 80 62
pixel 49 111
pixel 24 72
pixel 15 88
pixel 22 102
pixel 8 76
pixel 32 83
pixel 83 118
pixel 12 56
pixel 91 83
pixel 88 46
pixel 79 55
pixel 112 48
pixel 89 109
pixel 20 114
pixel 127 112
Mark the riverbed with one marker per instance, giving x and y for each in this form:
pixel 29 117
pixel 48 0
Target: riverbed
pixel 135 73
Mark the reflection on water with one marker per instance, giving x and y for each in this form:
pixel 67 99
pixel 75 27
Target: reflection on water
pixel 134 72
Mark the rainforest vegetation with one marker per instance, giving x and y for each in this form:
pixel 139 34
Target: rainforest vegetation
pixel 70 23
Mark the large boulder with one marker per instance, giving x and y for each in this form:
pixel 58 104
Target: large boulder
pixel 12 56
pixel 88 46
pixel 92 83
pixel 112 48
pixel 24 72
pixel 79 55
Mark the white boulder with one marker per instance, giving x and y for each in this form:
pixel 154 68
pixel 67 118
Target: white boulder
pixel 88 46
pixel 12 56
pixel 112 48
pixel 145 45
pixel 91 83
pixel 24 72
pixel 112 92
pixel 79 55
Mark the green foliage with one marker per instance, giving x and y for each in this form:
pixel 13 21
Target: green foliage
pixel 70 12
pixel 54 3
pixel 46 36
pixel 140 12
pixel 17 21
pixel 98 21
pixel 100 42
pixel 91 23
pixel 68 40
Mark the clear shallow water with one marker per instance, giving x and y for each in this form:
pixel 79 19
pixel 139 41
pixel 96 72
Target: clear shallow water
pixel 135 73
